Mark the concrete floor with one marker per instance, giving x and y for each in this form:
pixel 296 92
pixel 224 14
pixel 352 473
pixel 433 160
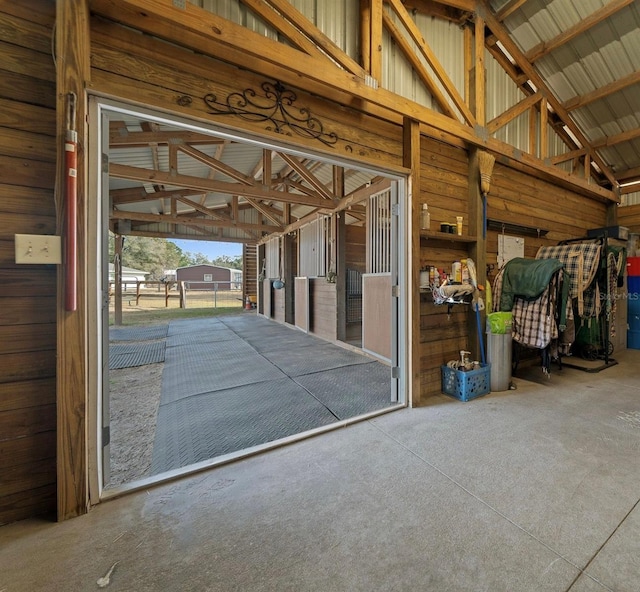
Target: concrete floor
pixel 530 490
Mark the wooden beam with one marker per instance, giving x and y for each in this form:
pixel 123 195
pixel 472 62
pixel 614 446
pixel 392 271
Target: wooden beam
pixel 616 139
pixel 120 139
pixel 602 92
pixel 418 66
pixel 568 156
pixel 515 111
pixel 376 40
pixel 509 8
pixel 274 19
pixel 432 60
pixel 318 37
pixel 546 47
pixel 480 77
pixel 72 50
pixel 411 161
pixel 365 34
pixel 188 220
pixel 146 176
pixel 215 164
pixel 498 30
pixel 217 37
pixel 299 168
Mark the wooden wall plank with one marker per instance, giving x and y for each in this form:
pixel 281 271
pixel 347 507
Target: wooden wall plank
pixel 26 477
pixel 28 173
pixel 20 87
pixel 27 365
pixel 28 145
pixel 28 309
pixel 29 393
pixel 26 338
pixel 21 423
pixel 29 118
pixel 37 502
pixel 22 60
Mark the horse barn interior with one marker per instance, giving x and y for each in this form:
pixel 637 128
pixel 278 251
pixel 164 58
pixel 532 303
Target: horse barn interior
pixel 318 134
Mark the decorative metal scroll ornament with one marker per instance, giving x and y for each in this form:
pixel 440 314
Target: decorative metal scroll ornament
pixel 275 106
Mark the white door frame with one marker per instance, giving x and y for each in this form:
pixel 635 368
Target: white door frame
pixel 96 224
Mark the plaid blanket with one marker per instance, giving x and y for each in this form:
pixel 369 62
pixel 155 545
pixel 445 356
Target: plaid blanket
pixel 581 262
pixel 535 321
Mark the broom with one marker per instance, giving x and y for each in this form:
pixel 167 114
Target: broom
pixel 485 166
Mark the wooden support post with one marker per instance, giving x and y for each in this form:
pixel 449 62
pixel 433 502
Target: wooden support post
pixel 338 254
pixel 72 50
pixel 288 275
pixel 411 160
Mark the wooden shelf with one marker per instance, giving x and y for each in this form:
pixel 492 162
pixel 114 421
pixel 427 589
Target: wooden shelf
pixel 445 236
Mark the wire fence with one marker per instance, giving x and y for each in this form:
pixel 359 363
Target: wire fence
pixel 156 294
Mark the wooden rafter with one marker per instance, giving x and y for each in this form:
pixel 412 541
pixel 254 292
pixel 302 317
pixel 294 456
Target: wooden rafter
pixel 428 54
pixel 216 164
pixel 146 176
pixel 515 111
pixel 215 36
pixel 119 138
pixel 546 47
pixel 418 66
pixel 602 92
pixel 297 38
pixel 498 30
pixel 317 36
pixel 188 220
pixel 616 139
pixel 304 172
pixel 509 8
pixel 572 155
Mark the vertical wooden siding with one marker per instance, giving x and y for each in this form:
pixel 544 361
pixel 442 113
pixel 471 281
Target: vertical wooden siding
pixel 28 292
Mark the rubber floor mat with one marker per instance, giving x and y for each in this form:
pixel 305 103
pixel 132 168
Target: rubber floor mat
pixel 351 390
pixel 211 424
pixel 138 333
pixel 130 355
pixel 314 358
pixel 204 371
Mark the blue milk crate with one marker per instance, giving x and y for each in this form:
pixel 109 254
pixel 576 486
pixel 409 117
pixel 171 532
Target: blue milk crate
pixel 466 385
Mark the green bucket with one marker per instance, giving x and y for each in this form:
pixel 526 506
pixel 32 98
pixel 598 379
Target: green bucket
pixel 499 323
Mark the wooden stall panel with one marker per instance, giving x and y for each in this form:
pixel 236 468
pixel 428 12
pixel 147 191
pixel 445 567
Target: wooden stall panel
pixel 301 306
pixel 376 314
pixel 323 306
pixel 267 299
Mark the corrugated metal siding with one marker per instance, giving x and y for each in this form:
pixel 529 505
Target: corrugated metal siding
pixel 337 19
pixel 446 39
pixel 631 199
pixel 603 54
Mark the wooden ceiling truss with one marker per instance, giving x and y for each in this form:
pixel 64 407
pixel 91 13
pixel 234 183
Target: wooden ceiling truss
pixel 340 78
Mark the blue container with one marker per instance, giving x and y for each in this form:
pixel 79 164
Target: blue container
pixel 633 339
pixel 633 304
pixel 634 322
pixel 468 385
pixel 633 283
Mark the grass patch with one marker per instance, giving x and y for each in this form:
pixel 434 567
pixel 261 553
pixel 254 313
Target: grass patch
pixel 164 315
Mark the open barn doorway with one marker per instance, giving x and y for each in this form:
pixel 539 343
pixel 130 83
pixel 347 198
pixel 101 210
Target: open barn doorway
pixel 224 386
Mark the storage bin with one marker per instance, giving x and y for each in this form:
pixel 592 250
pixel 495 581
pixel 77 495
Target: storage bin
pixel 633 284
pixel 633 304
pixel 633 266
pixel 633 339
pixel 633 320
pixel 468 385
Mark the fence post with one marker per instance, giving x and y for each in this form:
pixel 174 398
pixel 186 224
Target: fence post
pixel 183 295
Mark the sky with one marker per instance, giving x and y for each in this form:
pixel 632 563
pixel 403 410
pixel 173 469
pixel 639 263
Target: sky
pixel 212 250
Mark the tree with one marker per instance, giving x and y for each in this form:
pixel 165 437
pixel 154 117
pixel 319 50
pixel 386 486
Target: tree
pixel 153 255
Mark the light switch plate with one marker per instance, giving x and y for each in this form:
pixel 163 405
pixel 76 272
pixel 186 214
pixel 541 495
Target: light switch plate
pixel 38 248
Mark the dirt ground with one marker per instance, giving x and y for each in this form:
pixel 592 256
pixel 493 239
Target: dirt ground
pixel 135 397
